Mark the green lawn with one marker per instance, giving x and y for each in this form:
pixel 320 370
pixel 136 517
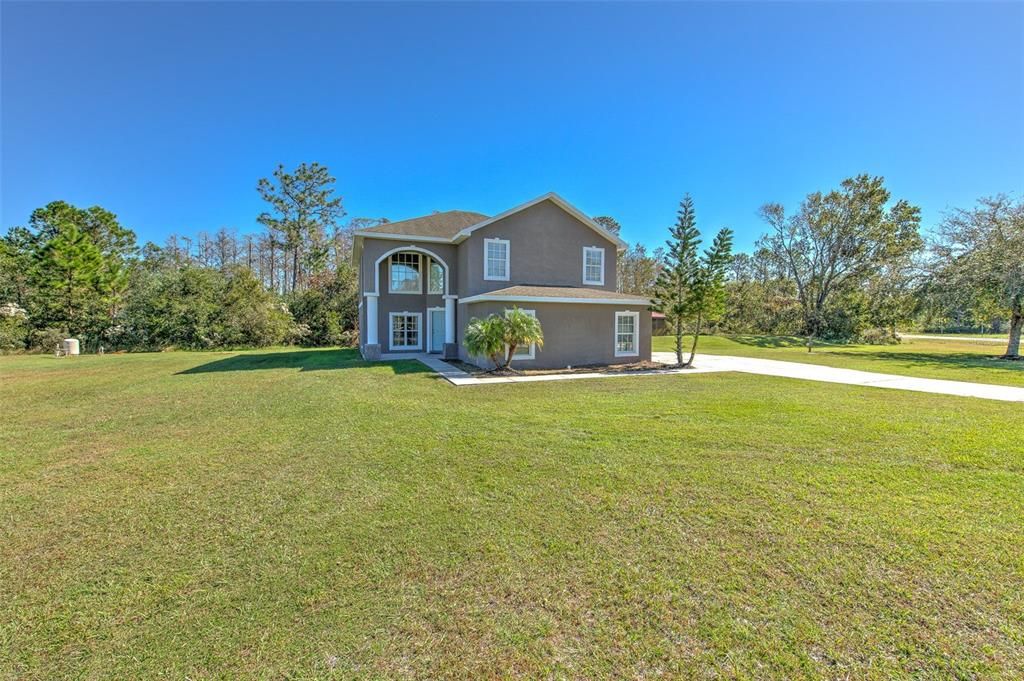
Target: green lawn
pixel 296 514
pixel 943 334
pixel 945 359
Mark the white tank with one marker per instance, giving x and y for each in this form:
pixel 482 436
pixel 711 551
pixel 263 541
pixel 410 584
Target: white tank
pixel 70 346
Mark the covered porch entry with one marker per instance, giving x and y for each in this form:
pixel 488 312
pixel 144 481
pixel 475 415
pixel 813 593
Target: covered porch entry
pixel 410 307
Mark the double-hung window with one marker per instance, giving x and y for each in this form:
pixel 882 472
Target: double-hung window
pixel 435 278
pixel 405 330
pixel 627 334
pixel 593 265
pixel 496 260
pixel 405 273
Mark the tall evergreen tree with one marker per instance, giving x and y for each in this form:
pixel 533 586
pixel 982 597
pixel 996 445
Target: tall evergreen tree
pixel 672 291
pixel 99 224
pixel 609 223
pixel 709 289
pixel 68 275
pixel 304 213
pixel 691 289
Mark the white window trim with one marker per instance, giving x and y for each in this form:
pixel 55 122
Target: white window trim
pixel 588 282
pixel 533 346
pixel 636 334
pixel 419 260
pixel 428 268
pixel 430 329
pixel 419 330
pixel 508 259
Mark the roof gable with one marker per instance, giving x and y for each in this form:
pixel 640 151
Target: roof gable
pixel 455 226
pixel 443 225
pixel 463 234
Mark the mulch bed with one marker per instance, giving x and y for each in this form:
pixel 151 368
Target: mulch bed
pixel 585 369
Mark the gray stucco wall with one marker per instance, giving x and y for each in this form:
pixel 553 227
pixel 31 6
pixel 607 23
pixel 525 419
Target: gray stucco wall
pixel 574 334
pixel 398 302
pixel 545 247
pixel 374 248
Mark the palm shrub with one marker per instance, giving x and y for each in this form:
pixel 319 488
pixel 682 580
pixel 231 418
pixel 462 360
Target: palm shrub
pixel 518 329
pixel 485 338
pixel 497 337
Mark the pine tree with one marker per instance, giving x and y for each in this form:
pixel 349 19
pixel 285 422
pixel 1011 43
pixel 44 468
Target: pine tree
pixel 673 290
pixel 709 290
pixel 691 289
pixel 304 211
pixel 68 272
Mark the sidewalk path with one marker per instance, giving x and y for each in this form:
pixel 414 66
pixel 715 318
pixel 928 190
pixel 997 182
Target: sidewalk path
pixel 816 372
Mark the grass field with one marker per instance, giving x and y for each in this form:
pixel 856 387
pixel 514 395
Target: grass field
pixel 296 514
pixel 1003 336
pixel 945 359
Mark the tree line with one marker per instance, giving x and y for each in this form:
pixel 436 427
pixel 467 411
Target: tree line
pixel 79 272
pixel 850 264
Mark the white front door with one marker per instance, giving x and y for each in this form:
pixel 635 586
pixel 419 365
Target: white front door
pixel 436 330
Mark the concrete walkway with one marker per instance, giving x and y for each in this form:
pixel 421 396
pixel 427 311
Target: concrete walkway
pixel 969 339
pixel 816 372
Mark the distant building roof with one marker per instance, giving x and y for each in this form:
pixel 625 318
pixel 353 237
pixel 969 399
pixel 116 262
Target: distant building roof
pixel 445 224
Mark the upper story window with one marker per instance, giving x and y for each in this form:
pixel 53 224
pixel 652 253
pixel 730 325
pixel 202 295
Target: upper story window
pixel 593 265
pixel 405 273
pixel 435 278
pixel 496 260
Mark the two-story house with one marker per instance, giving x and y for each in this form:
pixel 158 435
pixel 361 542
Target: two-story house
pixel 423 279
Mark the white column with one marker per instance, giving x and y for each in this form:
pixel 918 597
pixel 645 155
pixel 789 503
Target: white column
pixel 371 318
pixel 449 319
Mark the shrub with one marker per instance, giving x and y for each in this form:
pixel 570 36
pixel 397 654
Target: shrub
pixel 46 340
pixel 14 327
pixel 349 338
pixel 498 337
pixel 248 315
pixel 878 337
pixel 327 309
pixel 485 338
pixel 13 333
pixel 519 329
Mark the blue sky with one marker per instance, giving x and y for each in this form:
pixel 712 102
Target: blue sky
pixel 167 114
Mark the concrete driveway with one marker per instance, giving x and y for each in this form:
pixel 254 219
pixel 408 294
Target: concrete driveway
pixel 965 339
pixel 815 372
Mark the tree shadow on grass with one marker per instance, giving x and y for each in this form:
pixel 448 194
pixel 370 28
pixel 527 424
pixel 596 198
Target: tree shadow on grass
pixel 775 341
pixel 303 360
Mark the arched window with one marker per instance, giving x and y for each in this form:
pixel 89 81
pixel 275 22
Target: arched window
pixel 405 273
pixel 435 278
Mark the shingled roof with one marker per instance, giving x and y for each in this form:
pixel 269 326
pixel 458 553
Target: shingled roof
pixel 558 293
pixel 446 224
